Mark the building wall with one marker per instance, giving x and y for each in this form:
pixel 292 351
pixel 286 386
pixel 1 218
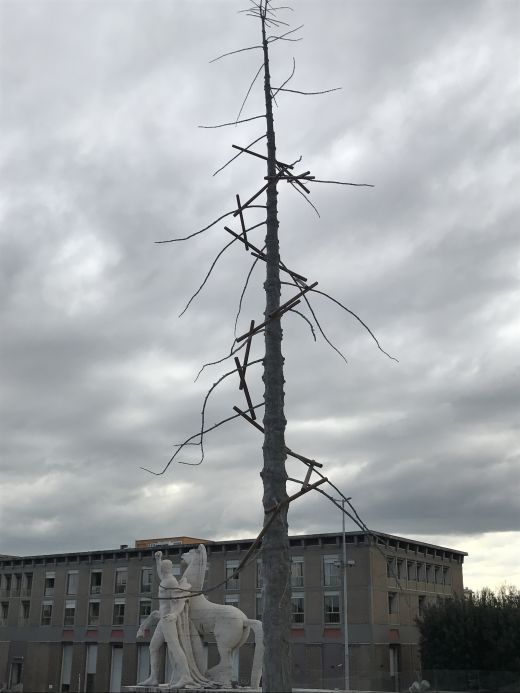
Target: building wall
pixel 375 635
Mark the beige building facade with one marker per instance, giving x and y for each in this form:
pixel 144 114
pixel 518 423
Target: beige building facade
pixel 68 621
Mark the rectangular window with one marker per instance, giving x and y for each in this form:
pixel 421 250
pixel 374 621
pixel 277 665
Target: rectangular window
pixel 95 581
pixel 17 584
pixel 391 571
pixel 233 583
pixel 49 584
pixel 331 611
pixel 421 572
pixel 70 612
pixel 297 571
pixel 438 574
pixel 259 579
pixel 121 580
pixel 401 569
pixel 145 609
pixel 412 570
pixel 297 608
pixel 119 612
pixel 90 667
pixel 5 585
pixel 393 603
pixel 446 576
pixel 24 612
pixel 430 573
pixel 421 605
pixel 259 607
pixel 72 582
pixel 27 580
pixel 231 599
pixel 93 612
pixel 66 667
pixel 46 616
pixel 331 571
pixel 4 610
pixel 146 580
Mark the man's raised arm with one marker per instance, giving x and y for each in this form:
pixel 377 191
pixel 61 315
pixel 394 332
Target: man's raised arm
pixel 158 559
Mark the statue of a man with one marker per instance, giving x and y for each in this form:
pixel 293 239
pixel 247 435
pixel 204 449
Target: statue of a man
pixel 172 629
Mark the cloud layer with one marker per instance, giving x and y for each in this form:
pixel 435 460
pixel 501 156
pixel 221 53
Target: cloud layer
pixel 101 157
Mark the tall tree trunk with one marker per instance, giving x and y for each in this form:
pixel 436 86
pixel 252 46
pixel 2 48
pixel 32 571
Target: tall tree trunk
pixel 275 544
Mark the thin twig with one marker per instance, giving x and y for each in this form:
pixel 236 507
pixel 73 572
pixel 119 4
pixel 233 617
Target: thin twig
pixel 232 352
pixel 196 233
pixel 203 412
pixel 235 122
pixel 180 446
pixel 240 50
pixel 354 315
pixel 304 197
pixel 338 182
pixel 288 78
pixel 206 277
pixel 306 93
pixel 243 293
pixel 292 310
pixel 271 39
pixel 249 91
pixel 322 332
pixel 239 153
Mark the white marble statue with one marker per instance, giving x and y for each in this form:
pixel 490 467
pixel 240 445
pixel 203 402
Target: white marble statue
pixel 184 616
pixel 173 628
pixel 229 625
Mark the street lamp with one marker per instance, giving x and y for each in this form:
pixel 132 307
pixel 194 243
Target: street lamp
pixel 344 565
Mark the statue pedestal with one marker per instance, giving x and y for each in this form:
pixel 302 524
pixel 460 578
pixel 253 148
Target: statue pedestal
pixel 165 688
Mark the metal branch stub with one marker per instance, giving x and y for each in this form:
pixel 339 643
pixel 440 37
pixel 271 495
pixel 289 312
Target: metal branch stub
pixel 304 490
pixel 243 386
pixel 288 451
pixel 256 252
pixel 261 156
pixel 279 312
pixel 244 231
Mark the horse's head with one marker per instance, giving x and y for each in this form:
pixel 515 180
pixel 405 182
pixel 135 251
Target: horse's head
pixel 193 555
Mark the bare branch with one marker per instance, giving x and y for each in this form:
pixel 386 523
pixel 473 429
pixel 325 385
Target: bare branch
pixel 232 352
pixel 244 291
pixel 367 328
pixel 304 197
pixel 338 182
pixel 180 446
pixel 240 50
pixel 249 91
pixel 235 122
pixel 306 93
pixel 288 78
pixel 292 310
pixel 203 412
pixel 237 155
pixel 207 276
pixel 214 363
pixel 272 39
pixel 322 332
pixel 196 233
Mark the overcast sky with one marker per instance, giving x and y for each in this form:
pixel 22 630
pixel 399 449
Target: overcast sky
pixel 101 156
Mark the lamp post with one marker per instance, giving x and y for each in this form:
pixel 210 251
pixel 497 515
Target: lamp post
pixel 346 664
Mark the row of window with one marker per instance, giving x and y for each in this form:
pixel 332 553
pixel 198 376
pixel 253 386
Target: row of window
pixel 69 612
pixel 417 571
pixel 21 584
pixel 331 610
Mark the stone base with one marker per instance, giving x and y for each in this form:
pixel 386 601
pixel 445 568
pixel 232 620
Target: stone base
pixel 164 688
